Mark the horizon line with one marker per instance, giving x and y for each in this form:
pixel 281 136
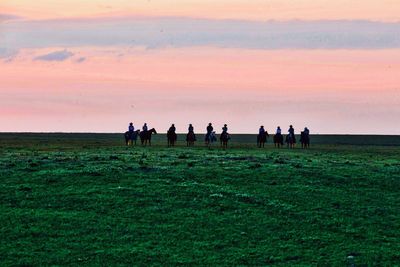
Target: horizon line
pixel 232 133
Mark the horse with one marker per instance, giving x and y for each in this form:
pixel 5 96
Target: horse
pixel 172 137
pixel 146 136
pixel 290 140
pixel 262 139
pixel 305 140
pixel 190 138
pixel 210 138
pixel 131 137
pixel 278 140
pixel 224 138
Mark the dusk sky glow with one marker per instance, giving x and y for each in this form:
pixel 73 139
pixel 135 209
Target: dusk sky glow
pixel 94 66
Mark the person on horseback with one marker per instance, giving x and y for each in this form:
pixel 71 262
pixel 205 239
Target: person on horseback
pixel 305 138
pixel 278 138
pixel 131 128
pixel 191 129
pixel 291 130
pixel 278 130
pixel 224 136
pixel 144 128
pixel 209 129
pixel 261 131
pixel 171 135
pixel 291 138
pixel 191 132
pixel 172 129
pixel 262 136
pixel 190 136
pixel 130 134
pixel 225 129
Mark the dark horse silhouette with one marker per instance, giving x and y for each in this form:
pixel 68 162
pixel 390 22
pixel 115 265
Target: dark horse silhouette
pixel 224 138
pixel 290 140
pixel 190 138
pixel 278 140
pixel 172 137
pixel 146 136
pixel 305 140
pixel 262 139
pixel 131 137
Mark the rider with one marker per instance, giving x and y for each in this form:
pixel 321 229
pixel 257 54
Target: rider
pixel 225 129
pixel 278 131
pixel 144 128
pixel 172 129
pixel 306 131
pixel 190 129
pixel 210 129
pixel 291 130
pixel 131 128
pixel 261 131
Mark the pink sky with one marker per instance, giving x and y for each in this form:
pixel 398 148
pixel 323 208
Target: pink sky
pixel 94 72
pixel 382 10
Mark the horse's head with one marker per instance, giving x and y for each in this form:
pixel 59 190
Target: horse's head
pixel 153 131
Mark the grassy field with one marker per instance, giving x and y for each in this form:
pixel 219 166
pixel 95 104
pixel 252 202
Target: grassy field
pixel 78 199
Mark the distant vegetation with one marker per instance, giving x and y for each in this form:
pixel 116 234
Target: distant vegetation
pixel 84 199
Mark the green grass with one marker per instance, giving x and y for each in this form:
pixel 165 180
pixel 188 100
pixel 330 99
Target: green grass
pixel 88 200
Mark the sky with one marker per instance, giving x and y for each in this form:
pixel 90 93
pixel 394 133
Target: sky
pixel 96 65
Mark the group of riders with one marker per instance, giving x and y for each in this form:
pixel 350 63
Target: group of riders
pixel 210 137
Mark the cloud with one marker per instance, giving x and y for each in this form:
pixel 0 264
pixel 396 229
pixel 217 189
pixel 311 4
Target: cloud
pixel 80 60
pixel 4 17
pixel 56 56
pixel 7 54
pixel 160 32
